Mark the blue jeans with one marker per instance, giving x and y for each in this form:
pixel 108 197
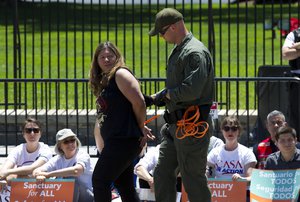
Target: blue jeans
pixel 82 193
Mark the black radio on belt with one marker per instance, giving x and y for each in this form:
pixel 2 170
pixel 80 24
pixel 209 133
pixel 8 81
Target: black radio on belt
pixel 173 117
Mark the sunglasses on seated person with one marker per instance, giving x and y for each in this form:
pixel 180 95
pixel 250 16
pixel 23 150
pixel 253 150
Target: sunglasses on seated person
pixel 30 130
pixel 67 141
pixel 232 128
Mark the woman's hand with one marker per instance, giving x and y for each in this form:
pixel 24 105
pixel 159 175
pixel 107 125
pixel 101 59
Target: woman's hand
pixel 236 177
pixel 3 175
pixel 147 136
pixel 38 174
pixel 151 184
pixel 40 178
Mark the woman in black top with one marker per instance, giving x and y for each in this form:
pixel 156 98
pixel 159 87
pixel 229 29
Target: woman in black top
pixel 121 114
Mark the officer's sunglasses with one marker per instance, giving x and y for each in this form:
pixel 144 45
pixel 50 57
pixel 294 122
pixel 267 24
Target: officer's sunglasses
pixel 163 31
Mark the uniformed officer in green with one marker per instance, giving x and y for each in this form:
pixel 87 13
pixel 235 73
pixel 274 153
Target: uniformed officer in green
pixel 190 82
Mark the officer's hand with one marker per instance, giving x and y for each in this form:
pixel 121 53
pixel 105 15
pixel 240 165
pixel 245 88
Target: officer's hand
pixel 148 100
pixel 160 98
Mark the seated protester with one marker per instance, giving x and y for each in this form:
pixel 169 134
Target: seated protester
pixel 26 157
pixel 145 167
pixel 288 156
pixel 262 150
pixel 144 170
pixel 232 160
pixel 69 163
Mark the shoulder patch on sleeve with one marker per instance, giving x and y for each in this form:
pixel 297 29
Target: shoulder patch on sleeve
pixel 194 61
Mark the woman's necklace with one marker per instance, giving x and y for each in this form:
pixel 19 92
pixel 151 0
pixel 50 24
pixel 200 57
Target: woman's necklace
pixel 104 79
pixel 104 74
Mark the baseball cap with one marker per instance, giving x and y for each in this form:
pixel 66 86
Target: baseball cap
pixel 166 16
pixel 61 135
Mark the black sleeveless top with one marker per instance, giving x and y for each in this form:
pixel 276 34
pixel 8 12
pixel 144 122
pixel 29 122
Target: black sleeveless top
pixel 115 114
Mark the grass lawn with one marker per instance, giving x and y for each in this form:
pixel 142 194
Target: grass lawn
pixel 57 41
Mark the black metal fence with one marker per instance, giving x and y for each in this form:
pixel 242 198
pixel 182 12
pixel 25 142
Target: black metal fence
pixel 75 109
pixel 57 104
pixel 56 39
pixel 46 49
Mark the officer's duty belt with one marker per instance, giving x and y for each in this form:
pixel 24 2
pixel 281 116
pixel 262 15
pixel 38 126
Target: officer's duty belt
pixel 174 116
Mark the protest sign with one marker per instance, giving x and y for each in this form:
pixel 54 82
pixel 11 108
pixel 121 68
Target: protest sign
pixel 214 110
pixel 60 190
pixel 274 185
pixel 224 190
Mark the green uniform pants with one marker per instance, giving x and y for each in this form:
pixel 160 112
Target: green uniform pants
pixel 190 156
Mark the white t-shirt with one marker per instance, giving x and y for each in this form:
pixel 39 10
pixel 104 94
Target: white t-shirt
pixel 289 40
pixel 149 161
pixel 21 157
pixel 229 162
pixel 83 158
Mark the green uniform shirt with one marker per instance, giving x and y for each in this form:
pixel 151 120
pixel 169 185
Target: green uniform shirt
pixel 190 75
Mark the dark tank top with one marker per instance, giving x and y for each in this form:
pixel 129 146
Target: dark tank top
pixel 117 117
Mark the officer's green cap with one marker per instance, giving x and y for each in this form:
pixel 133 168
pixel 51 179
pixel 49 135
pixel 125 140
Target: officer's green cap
pixel 165 17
